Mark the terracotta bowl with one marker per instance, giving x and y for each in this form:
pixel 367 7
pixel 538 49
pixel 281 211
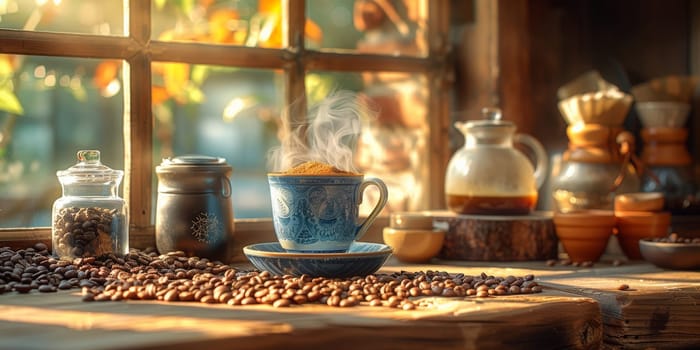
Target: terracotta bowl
pixel 639 201
pixel 584 234
pixel 414 246
pixel 635 225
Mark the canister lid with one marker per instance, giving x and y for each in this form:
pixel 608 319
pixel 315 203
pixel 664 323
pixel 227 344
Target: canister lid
pixel 193 163
pixel 193 159
pixel 194 174
pixel 89 169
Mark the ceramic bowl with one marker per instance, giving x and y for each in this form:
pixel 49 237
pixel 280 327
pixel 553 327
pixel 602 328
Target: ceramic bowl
pixel 677 256
pixel 584 234
pixel 635 225
pixel 639 201
pixel 414 246
pixel 662 114
pixel 411 220
pixel 361 259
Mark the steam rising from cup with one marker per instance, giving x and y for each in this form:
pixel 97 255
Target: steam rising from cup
pixel 329 134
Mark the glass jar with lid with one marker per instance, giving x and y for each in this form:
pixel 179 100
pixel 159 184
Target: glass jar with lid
pixel 90 219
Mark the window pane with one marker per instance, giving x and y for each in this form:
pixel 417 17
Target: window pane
pixel 231 22
pixel 49 109
pixel 99 17
pixel 220 112
pixel 388 27
pixel 393 145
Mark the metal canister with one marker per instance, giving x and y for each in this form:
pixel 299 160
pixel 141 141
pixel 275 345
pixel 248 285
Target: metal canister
pixel 194 212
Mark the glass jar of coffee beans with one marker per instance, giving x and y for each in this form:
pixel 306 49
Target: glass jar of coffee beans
pixel 90 219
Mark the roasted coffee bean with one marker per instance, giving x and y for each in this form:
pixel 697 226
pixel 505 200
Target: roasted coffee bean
pixel 145 275
pixel 620 287
pixel 248 301
pixel 102 297
pixel 208 299
pixel 375 302
pixel 407 305
pixel 282 303
pixel 46 288
pixel 333 300
pixel 23 288
pixel 349 301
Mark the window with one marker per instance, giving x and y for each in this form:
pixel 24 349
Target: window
pixel 145 80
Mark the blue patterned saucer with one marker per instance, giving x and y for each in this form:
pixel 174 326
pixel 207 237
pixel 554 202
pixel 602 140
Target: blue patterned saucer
pixel 360 260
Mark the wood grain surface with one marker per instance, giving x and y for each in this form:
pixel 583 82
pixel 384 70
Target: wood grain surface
pixel 580 308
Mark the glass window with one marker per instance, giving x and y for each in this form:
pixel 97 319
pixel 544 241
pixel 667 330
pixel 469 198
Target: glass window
pixel 98 17
pixel 223 112
pixel 50 108
pixel 393 143
pixel 387 27
pixel 228 102
pixel 232 22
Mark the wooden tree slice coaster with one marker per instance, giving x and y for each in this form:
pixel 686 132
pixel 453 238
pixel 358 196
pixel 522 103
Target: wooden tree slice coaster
pixel 497 238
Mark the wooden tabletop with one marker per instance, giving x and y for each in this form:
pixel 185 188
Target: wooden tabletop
pixel 580 308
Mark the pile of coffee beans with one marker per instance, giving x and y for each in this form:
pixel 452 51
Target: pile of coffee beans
pixel 81 232
pixel 173 277
pixel 675 238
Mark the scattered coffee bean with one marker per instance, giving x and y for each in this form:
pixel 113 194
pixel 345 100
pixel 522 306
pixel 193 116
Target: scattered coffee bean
pixel 172 277
pixel 623 287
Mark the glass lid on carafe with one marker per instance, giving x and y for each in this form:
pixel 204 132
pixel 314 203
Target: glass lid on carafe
pixel 89 169
pixel 491 130
pixel 492 118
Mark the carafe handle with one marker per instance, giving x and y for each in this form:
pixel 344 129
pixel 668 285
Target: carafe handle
pixel 541 163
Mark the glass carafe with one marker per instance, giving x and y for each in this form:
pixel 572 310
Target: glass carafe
pixel 90 219
pixel 488 175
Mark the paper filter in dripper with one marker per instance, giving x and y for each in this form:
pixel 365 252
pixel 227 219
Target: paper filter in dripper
pixel 673 88
pixel 590 81
pixel 608 107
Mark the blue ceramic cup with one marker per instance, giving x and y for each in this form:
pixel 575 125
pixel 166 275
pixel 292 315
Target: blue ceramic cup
pixel 319 213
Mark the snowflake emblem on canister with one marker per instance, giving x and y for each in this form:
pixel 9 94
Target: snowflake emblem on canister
pixel 204 226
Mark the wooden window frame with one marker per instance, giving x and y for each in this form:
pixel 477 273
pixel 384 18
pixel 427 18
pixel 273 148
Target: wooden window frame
pixel 139 50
